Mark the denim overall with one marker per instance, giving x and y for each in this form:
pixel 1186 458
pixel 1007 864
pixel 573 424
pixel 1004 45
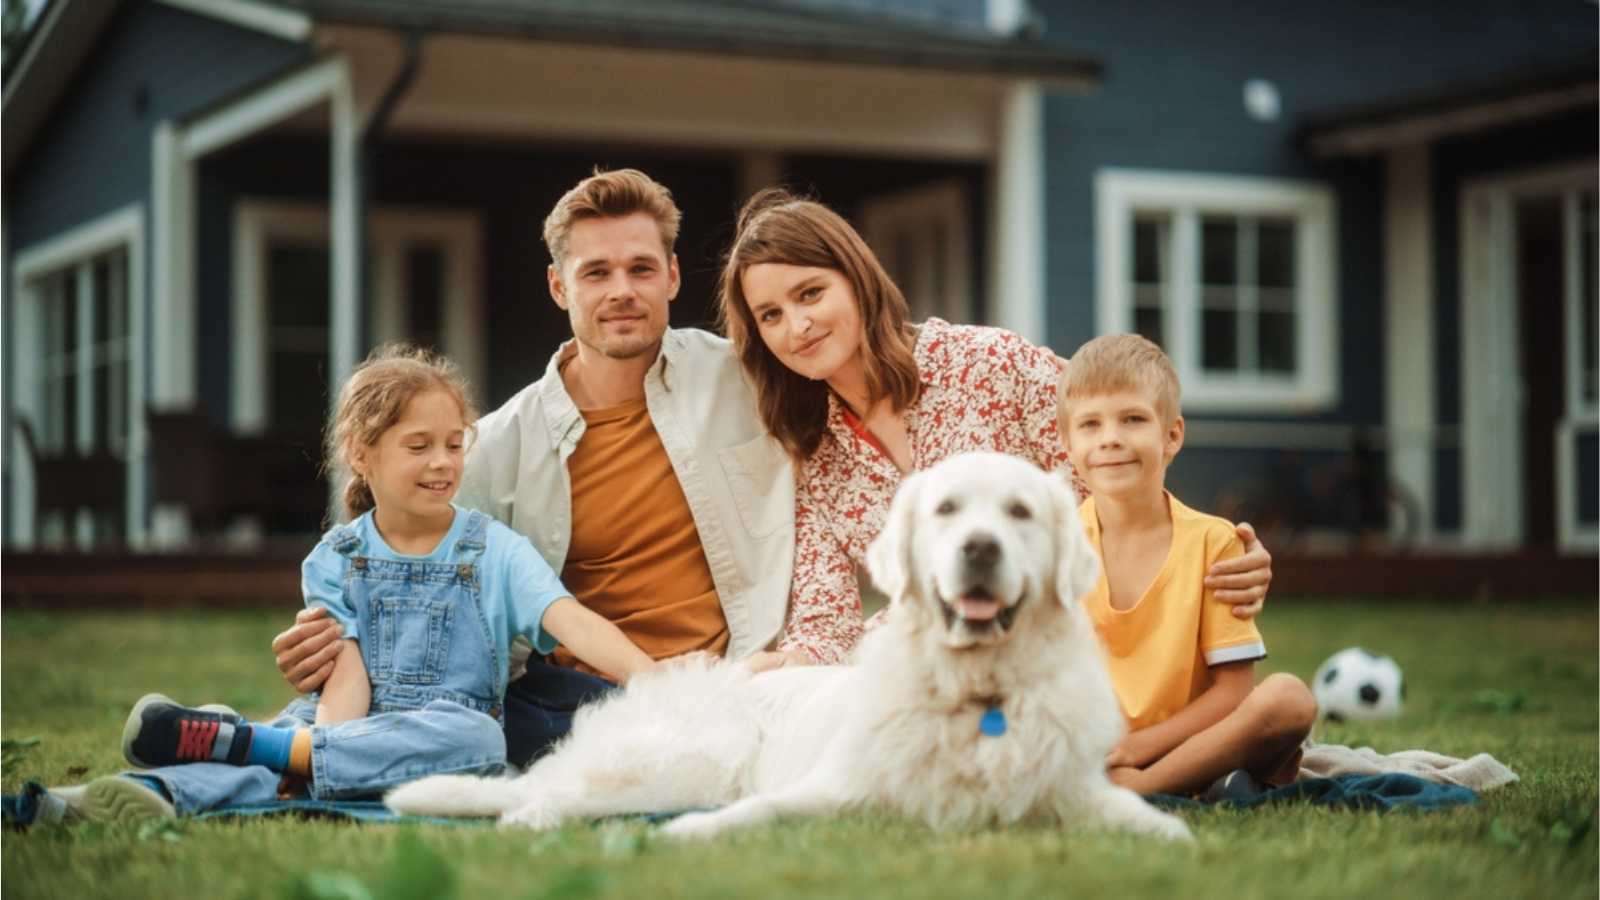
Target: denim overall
pixel 437 694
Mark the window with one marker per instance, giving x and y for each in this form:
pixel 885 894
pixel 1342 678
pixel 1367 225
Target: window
pixel 426 289
pixel 1232 276
pixel 77 385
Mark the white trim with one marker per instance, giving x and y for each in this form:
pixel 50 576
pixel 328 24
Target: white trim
pixel 1017 284
pixel 1572 237
pixel 273 20
pixel 457 232
pixel 345 243
pixel 173 235
pixel 175 153
pixel 1492 391
pixel 1572 536
pixel 265 107
pixel 122 228
pixel 1120 193
pixel 1409 368
pixel 1221 655
pixel 889 220
pixel 1578 416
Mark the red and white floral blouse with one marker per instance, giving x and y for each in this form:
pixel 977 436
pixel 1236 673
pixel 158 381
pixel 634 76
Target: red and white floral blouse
pixel 982 389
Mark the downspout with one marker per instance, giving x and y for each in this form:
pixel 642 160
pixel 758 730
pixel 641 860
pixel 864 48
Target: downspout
pixel 367 163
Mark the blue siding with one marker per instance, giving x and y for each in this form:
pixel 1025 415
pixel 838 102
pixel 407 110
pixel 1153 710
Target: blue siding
pixel 92 156
pixel 153 63
pixel 1171 99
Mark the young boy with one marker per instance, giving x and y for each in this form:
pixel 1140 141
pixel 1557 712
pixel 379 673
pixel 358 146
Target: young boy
pixel 1182 664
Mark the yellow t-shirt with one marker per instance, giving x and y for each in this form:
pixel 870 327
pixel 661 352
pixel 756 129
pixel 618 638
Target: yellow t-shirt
pixel 636 557
pixel 1160 649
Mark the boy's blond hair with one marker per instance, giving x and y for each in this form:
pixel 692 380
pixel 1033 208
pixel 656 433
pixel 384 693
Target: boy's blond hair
pixel 1121 362
pixel 605 195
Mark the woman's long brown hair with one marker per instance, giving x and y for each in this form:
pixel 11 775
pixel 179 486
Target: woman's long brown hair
pixel 778 227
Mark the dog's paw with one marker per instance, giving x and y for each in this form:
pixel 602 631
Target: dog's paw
pixel 695 826
pixel 1169 828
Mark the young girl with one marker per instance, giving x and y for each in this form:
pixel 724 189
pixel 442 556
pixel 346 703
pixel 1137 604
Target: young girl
pixel 430 597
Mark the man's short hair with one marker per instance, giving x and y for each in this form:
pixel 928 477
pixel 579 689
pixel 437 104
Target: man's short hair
pixel 606 195
pixel 1122 362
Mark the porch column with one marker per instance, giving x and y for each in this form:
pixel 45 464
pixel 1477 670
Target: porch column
pixel 173 348
pixel 1409 414
pixel 344 294
pixel 1016 285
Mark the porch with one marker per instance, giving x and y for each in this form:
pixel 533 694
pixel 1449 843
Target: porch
pixel 394 185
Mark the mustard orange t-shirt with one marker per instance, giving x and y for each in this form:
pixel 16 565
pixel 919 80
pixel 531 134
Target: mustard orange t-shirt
pixel 1160 650
pixel 635 556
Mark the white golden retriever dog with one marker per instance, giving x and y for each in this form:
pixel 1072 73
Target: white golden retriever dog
pixel 982 700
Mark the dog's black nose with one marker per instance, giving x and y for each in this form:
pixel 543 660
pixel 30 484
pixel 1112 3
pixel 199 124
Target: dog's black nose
pixel 981 550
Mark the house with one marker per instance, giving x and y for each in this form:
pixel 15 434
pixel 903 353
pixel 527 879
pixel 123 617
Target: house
pixel 1365 233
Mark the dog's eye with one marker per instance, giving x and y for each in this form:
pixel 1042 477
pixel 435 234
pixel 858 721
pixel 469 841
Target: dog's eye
pixel 1018 511
pixel 945 508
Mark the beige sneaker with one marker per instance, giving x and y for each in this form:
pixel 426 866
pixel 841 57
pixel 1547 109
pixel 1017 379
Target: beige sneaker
pixel 123 800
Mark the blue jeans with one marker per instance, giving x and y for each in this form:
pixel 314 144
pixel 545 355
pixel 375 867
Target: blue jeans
pixel 540 706
pixel 362 757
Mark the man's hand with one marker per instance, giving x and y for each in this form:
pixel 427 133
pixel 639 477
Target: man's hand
pixel 1243 580
pixel 306 651
pixel 767 660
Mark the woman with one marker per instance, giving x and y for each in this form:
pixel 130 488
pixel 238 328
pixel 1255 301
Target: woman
pixel 860 396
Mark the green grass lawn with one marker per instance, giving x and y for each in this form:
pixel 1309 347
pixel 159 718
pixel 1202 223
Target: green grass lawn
pixel 1519 682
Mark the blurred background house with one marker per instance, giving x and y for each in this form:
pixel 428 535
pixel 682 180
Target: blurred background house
pixel 1366 232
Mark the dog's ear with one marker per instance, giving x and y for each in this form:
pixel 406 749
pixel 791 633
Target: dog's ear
pixel 1077 565
pixel 889 556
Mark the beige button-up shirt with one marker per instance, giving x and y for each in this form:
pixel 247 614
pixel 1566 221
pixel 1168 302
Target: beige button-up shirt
pixel 738 480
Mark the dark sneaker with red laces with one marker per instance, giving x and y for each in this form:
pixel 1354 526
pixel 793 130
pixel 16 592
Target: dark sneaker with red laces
pixel 161 732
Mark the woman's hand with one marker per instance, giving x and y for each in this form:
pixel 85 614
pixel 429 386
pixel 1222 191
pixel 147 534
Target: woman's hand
pixel 1243 580
pixel 306 651
pixel 767 660
pixel 692 658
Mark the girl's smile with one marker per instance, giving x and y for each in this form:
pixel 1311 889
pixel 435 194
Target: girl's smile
pixel 414 468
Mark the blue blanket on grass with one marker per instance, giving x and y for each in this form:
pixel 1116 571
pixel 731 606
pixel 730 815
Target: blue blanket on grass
pixel 1362 792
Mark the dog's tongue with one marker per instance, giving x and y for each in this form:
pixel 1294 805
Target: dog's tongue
pixel 978 609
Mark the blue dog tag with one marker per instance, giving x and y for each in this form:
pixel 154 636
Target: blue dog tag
pixel 993 722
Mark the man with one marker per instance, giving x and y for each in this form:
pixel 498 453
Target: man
pixel 639 469
pixel 637 466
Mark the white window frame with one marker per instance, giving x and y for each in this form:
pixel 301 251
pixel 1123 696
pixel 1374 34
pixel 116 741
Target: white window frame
pixel 77 249
pixel 910 212
pixel 259 222
pixel 1123 194
pixel 1580 416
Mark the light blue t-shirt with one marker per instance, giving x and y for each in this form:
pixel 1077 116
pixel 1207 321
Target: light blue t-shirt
pixel 516 584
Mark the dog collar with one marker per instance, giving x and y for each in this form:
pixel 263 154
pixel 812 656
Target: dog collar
pixel 993 722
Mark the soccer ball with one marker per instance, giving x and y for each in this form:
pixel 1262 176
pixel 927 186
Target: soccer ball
pixel 1356 683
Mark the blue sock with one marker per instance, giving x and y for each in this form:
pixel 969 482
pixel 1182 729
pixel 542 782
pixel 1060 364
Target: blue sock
pixel 268 746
